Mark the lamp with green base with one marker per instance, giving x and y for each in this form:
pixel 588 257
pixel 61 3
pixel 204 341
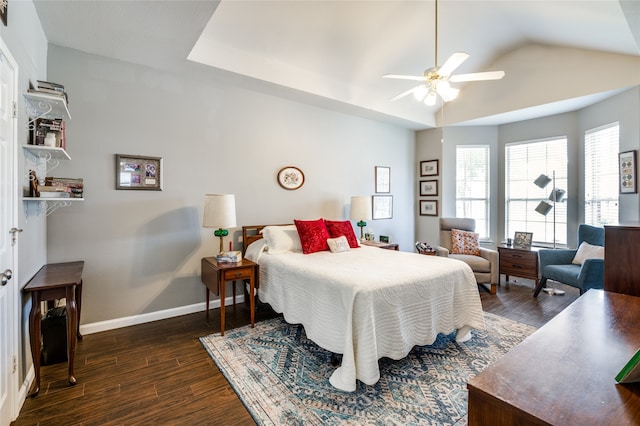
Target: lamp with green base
pixel 361 211
pixel 219 212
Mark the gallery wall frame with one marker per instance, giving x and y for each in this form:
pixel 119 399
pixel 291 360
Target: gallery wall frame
pixel 428 188
pixel 428 208
pixel 628 175
pixel 382 207
pixel 138 172
pixel 429 168
pixel 383 179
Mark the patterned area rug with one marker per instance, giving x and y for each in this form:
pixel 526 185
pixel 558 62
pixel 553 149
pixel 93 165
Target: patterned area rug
pixel 283 378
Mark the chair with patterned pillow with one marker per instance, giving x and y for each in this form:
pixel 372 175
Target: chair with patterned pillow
pixel 458 240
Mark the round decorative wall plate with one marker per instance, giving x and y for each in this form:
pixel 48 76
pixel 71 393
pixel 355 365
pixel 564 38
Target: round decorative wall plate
pixel 290 177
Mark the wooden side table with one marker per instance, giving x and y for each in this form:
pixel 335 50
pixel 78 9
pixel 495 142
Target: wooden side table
pixel 518 262
pixel 55 281
pixel 215 276
pixel 387 246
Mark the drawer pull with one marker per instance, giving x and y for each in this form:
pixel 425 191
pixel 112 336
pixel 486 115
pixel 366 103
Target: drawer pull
pixel 238 274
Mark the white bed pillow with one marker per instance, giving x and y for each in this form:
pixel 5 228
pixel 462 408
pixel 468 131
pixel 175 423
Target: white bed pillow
pixel 338 244
pixel 282 239
pixel 255 250
pixel 587 251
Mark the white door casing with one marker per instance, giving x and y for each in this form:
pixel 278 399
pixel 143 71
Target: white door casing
pixel 8 240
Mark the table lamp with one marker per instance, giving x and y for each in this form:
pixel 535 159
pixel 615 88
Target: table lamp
pixel 219 212
pixel 361 211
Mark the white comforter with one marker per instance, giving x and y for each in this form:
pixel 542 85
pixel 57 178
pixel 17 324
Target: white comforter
pixel 369 303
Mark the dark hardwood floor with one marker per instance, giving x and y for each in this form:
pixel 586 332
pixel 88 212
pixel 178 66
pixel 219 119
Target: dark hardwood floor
pixel 159 373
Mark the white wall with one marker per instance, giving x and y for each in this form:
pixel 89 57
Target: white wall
pixel 142 249
pixel 25 39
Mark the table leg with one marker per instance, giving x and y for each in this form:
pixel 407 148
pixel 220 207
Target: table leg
pixel 233 285
pixel 79 304
pixel 35 317
pixel 222 297
pixel 72 328
pixel 206 289
pixel 252 301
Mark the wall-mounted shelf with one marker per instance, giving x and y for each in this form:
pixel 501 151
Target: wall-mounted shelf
pixel 47 152
pixel 40 205
pixel 42 105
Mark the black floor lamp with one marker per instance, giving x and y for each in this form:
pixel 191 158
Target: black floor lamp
pixel 556 196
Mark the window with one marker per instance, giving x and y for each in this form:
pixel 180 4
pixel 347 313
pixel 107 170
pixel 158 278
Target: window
pixel 601 146
pixel 525 161
pixel 472 185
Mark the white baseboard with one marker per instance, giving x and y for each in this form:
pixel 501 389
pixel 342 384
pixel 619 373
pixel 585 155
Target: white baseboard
pixel 23 390
pixel 113 324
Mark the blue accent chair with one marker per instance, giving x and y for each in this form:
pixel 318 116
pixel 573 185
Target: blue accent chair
pixel 555 264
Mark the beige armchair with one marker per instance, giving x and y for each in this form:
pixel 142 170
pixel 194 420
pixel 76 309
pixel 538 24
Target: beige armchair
pixel 484 267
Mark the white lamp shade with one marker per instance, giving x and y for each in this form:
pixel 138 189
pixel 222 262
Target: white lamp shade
pixel 360 208
pixel 219 211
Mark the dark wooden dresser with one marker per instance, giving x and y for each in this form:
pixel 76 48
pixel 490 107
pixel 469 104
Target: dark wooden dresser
pixel 622 259
pixel 564 373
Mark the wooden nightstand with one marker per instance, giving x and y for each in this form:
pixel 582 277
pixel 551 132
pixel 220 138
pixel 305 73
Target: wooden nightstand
pixel 387 246
pixel 215 275
pixel 519 262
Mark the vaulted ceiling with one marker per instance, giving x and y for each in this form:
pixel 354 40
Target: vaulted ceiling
pixel 558 55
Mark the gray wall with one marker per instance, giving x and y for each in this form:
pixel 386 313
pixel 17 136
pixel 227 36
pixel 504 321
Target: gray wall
pixel 142 249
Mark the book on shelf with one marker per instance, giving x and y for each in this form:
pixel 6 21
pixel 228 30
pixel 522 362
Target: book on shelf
pixel 630 373
pixel 59 194
pixel 73 186
pixel 42 126
pixel 50 88
pixel 233 256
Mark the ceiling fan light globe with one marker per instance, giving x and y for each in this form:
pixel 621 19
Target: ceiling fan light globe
pixel 431 98
pixel 420 93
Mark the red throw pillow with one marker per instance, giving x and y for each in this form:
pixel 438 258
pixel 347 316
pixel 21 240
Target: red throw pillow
pixel 464 242
pixel 337 228
pixel 313 235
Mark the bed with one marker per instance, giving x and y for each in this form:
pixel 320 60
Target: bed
pixel 366 303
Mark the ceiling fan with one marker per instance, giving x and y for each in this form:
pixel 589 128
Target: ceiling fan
pixel 436 81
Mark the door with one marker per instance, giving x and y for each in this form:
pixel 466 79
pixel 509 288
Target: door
pixel 8 231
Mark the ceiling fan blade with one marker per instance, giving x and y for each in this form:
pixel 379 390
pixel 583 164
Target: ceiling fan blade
pixel 477 76
pixel 452 63
pixel 404 77
pixel 408 92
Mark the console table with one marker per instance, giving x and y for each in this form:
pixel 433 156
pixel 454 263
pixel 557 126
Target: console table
pixel 564 373
pixel 55 281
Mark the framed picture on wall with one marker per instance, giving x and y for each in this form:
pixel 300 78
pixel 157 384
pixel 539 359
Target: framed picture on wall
pixel 382 207
pixel 628 179
pixel 428 188
pixel 138 172
pixel 383 179
pixel 428 208
pixel 429 168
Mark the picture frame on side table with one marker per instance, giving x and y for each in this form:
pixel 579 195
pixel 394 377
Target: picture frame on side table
pixel 383 179
pixel 428 188
pixel 138 172
pixel 428 208
pixel 522 240
pixel 382 207
pixel 429 168
pixel 628 178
